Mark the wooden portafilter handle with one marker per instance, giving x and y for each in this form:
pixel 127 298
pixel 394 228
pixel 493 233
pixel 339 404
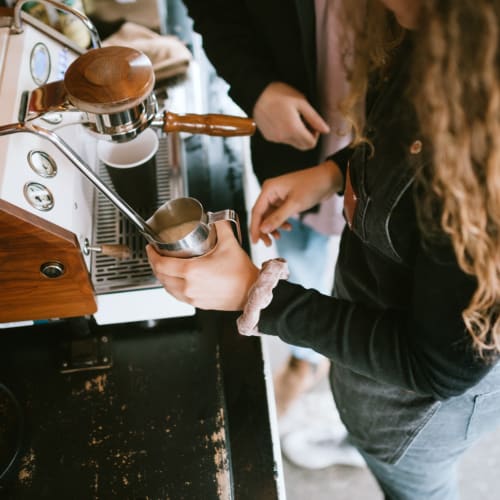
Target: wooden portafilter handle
pixel 209 124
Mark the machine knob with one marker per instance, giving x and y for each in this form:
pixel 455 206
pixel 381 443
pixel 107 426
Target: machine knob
pixel 52 269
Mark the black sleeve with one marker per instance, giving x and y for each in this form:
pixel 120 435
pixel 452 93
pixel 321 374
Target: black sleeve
pixel 341 158
pixel 234 46
pixel 425 349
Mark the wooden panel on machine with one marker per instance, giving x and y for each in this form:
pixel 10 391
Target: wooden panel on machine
pixel 29 247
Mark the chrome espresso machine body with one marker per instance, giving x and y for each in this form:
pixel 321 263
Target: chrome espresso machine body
pixel 54 224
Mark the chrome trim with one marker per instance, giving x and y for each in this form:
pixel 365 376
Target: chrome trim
pixel 110 227
pixel 124 125
pixel 74 158
pixel 17 25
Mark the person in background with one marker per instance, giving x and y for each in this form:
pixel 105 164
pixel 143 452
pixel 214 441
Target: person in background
pixel 413 329
pixel 274 60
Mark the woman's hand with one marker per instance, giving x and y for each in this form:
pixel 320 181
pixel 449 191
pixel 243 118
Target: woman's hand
pixel 284 115
pixel 219 280
pixel 290 194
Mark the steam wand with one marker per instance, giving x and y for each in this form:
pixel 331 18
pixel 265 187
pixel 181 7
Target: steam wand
pixel 74 158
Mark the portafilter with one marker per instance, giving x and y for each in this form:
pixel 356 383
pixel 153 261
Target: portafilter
pixel 114 87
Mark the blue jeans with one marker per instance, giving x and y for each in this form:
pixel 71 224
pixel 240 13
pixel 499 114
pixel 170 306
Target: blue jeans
pixel 308 256
pixel 428 468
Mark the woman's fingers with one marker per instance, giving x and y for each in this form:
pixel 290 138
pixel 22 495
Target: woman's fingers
pixel 218 280
pixel 266 204
pixel 224 230
pixel 177 288
pixel 165 266
pixel 168 271
pixel 277 219
pixel 270 213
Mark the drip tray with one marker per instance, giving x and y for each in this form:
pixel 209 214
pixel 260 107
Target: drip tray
pixel 112 227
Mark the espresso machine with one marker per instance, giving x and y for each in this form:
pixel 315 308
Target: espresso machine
pixel 69 246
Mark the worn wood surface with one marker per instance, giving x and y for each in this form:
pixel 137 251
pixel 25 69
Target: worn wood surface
pixel 27 242
pixel 152 426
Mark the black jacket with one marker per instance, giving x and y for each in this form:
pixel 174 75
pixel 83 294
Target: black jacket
pixel 252 43
pixel 397 316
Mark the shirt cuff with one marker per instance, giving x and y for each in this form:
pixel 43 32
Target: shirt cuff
pixel 341 158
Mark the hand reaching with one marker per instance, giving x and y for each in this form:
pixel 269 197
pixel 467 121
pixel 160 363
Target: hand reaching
pixel 219 280
pixel 290 194
pixel 284 115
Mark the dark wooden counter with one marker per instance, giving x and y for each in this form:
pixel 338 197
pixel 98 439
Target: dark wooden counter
pixel 181 414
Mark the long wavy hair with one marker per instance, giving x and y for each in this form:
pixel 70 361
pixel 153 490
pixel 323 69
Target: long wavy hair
pixel 456 95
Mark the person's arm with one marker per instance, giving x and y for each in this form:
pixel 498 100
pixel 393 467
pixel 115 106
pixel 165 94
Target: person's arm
pixel 341 159
pixel 289 194
pixel 222 279
pixel 235 40
pixel 234 44
pixel 426 350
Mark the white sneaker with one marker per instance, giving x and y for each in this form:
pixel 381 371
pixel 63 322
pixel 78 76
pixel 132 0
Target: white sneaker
pixel 296 378
pixel 317 448
pixel 313 436
pixel 313 410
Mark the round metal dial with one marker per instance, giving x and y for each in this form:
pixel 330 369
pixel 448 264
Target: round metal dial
pixel 42 163
pixel 38 196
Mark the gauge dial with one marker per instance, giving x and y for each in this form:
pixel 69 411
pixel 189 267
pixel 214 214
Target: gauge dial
pixel 38 196
pixel 40 63
pixel 42 163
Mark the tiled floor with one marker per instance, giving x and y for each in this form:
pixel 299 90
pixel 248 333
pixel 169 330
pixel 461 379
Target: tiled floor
pixel 479 470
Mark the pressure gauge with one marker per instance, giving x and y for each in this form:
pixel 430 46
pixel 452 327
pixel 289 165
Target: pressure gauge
pixel 42 163
pixel 40 63
pixel 38 196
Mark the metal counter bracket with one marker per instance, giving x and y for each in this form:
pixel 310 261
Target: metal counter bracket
pixel 86 353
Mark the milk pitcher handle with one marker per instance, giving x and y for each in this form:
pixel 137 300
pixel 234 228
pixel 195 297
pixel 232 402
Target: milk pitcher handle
pixel 227 214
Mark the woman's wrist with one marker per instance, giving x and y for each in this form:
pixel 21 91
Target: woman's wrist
pixel 261 294
pixel 334 176
pixel 249 282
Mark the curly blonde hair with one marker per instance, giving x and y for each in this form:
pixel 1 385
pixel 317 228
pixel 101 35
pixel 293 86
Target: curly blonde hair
pixel 370 34
pixel 456 94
